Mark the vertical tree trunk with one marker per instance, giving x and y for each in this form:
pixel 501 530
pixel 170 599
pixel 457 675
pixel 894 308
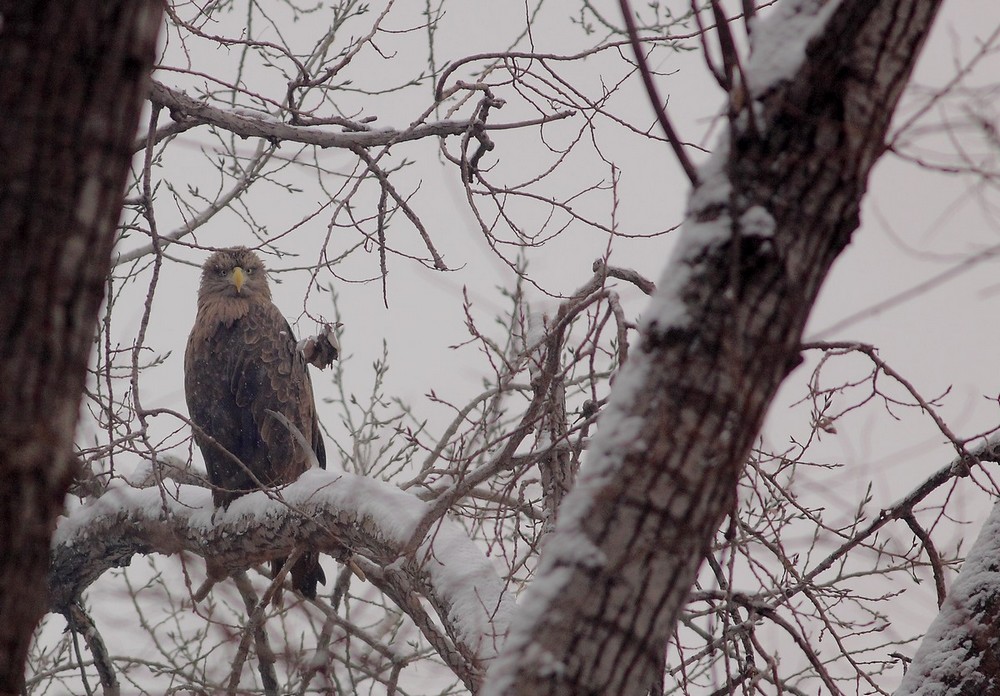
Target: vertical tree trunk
pixel 774 208
pixel 74 75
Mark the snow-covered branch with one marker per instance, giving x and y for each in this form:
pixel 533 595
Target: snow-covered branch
pixel 958 655
pixel 337 513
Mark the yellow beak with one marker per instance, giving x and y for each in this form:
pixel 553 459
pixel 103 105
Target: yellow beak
pixel 239 278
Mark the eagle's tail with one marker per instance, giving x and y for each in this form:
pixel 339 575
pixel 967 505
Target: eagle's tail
pixel 307 573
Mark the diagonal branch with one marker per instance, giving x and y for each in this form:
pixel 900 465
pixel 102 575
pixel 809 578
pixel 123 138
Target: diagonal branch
pixel 723 330
pixel 81 623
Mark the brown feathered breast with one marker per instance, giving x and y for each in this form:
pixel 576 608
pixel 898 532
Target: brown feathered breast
pixel 241 362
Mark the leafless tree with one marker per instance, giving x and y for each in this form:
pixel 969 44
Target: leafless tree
pixel 603 466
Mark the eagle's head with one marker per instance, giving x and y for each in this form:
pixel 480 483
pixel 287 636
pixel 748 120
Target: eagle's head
pixel 236 272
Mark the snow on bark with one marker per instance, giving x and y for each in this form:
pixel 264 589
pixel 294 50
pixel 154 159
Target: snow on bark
pixel 779 39
pixel 774 207
pixel 337 513
pixel 620 432
pixel 958 656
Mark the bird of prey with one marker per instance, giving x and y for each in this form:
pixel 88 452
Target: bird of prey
pixel 241 367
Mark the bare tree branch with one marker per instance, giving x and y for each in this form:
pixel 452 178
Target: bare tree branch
pixel 250 124
pixel 659 106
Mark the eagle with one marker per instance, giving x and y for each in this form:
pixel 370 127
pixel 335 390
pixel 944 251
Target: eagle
pixel 241 367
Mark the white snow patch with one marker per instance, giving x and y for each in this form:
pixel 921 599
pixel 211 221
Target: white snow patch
pixel 258 114
pixel 395 512
pixel 170 466
pixel 142 475
pixel 541 313
pixel 88 204
pixel 757 222
pixel 779 38
pixel 539 598
pixel 539 322
pixel 192 502
pixel 705 225
pixel 617 433
pixel 582 550
pixel 479 608
pixel 715 187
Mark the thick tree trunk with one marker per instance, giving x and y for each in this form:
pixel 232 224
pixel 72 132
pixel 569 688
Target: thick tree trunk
pixel 74 75
pixel 775 207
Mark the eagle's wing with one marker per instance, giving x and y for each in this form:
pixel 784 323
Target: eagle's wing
pixel 280 382
pixel 233 377
pixel 271 375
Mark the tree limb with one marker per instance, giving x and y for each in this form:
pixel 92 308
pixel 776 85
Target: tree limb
pixel 339 514
pixel 250 124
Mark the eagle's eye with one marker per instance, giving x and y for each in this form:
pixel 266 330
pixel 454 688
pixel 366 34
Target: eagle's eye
pixel 221 273
pixel 248 271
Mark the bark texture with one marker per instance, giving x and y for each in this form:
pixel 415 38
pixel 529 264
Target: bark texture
pixel 689 404
pixel 74 78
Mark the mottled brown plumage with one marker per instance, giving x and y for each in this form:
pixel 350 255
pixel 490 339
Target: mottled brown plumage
pixel 242 361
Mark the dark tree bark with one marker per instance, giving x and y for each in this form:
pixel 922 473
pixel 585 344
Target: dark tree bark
pixel 722 333
pixel 74 75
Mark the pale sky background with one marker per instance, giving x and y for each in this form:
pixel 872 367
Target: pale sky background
pixel 915 225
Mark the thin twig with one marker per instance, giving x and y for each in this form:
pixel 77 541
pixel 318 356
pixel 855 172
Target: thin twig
pixel 654 95
pixel 937 568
